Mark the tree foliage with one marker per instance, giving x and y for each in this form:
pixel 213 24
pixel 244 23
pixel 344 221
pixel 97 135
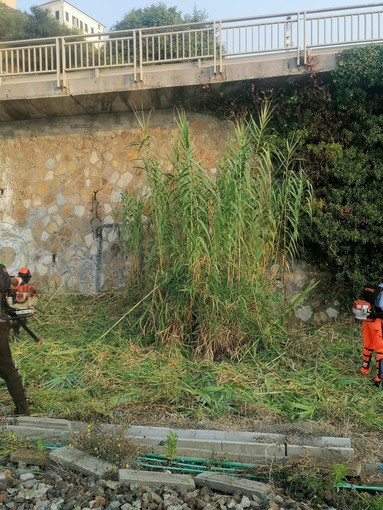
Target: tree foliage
pixel 17 25
pixel 347 211
pixel 41 23
pixel 156 15
pixel 169 46
pixel 11 23
pixel 339 120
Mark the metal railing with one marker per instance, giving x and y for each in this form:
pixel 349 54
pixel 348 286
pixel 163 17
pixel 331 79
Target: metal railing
pixel 217 41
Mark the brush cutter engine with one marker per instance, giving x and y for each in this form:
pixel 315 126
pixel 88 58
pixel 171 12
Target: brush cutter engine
pixel 361 309
pixel 21 301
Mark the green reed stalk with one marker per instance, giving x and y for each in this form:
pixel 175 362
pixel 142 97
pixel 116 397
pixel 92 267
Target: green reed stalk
pixel 209 245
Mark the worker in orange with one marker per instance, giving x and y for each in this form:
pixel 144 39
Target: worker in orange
pixel 373 340
pixel 23 276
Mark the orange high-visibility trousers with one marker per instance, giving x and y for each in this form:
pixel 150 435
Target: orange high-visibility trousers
pixel 372 341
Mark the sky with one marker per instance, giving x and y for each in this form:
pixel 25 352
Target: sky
pixel 111 11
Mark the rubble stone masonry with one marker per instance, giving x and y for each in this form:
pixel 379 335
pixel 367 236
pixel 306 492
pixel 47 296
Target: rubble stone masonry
pixel 60 186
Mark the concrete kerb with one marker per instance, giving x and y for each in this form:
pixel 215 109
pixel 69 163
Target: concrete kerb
pixel 81 462
pixel 230 485
pixel 154 479
pixel 228 445
pixel 41 428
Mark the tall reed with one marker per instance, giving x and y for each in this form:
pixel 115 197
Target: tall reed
pixel 209 244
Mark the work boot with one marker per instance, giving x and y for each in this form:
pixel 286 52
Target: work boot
pixel 22 409
pixel 365 371
pixel 378 383
pixel 17 392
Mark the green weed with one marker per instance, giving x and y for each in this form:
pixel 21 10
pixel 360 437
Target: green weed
pixel 111 445
pixel 315 484
pixel 10 442
pixel 171 446
pixel 363 501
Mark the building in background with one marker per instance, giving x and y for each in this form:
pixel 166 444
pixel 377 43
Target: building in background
pixel 10 3
pixel 68 15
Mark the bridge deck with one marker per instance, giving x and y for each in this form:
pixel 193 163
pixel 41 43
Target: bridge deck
pixel 166 66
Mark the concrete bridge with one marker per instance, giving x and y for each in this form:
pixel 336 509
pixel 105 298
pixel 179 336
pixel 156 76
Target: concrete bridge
pixel 163 67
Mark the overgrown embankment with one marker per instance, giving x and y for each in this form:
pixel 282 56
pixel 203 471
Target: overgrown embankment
pixel 313 374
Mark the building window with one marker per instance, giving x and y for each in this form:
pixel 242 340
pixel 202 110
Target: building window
pixel 92 30
pixel 57 14
pixel 67 16
pixel 73 21
pixel 81 25
pixel 86 27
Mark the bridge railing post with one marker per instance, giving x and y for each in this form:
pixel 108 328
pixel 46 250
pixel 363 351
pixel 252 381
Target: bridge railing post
pixel 140 45
pixel 58 62
pixel 298 38
pixel 63 63
pixel 135 55
pixel 215 48
pixel 304 37
pixel 220 48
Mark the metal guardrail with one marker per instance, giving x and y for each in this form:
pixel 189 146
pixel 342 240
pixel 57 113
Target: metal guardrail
pixel 215 41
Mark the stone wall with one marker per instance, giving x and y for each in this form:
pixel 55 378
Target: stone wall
pixel 61 181
pixel 319 306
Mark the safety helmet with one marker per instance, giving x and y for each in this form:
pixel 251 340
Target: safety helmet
pixel 361 309
pixel 24 274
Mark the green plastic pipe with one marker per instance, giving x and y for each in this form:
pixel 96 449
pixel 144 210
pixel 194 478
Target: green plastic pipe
pixel 186 463
pixel 192 462
pixel 52 446
pixel 190 468
pixel 201 469
pixel 184 470
pixel 141 462
pixel 344 485
pixel 201 461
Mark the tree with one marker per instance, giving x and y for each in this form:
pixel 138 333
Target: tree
pixel 11 23
pixel 156 15
pixel 16 25
pixel 169 46
pixel 41 23
pixel 196 16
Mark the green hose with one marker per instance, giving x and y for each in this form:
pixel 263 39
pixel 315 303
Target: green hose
pixel 52 446
pixel 196 466
pixel 162 458
pixel 344 485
